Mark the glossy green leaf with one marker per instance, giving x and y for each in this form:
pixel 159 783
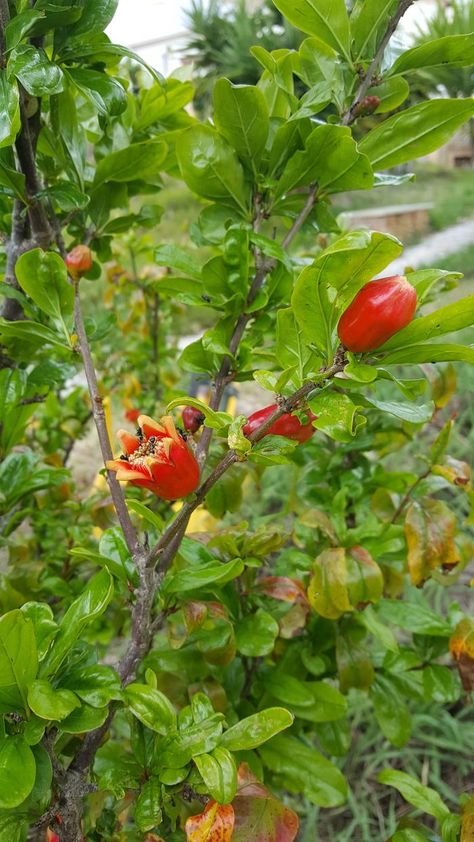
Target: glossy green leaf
pixel 241 116
pixel 151 707
pixel 179 259
pixel 415 132
pixel 106 94
pixel 43 276
pixel 216 573
pixel 215 420
pixel 45 627
pixel 413 618
pixel 337 415
pixel 422 797
pixel 87 607
pixel 97 685
pixel 368 19
pixel 392 92
pixel 18 659
pixel 139 160
pixel 304 771
pixel 450 51
pixel 17 771
pixel 9 110
pixel 391 712
pixel 219 773
pixel 84 719
pixel 210 167
pixel 201 738
pixel 406 411
pixel 331 160
pixel 256 634
pixel 148 806
pixel 10 178
pixel 327 20
pixel 48 703
pixel 32 67
pixel 254 730
pixel 96 15
pixel 20 25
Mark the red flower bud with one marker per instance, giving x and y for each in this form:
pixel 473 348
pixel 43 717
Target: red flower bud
pixel 79 261
pixel 132 415
pixel 379 310
pixel 51 836
pixel 288 425
pixel 157 458
pixel 367 106
pixel 192 419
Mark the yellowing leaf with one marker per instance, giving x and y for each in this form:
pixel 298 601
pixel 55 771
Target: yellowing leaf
pixel 214 824
pixel 461 646
pixel 258 815
pixel 343 580
pixel 429 529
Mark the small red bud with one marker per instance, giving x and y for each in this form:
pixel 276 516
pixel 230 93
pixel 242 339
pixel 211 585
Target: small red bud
pixel 79 261
pixel 193 419
pixel 132 415
pixel 367 106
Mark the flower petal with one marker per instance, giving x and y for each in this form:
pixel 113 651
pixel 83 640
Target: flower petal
pixel 150 427
pixel 129 443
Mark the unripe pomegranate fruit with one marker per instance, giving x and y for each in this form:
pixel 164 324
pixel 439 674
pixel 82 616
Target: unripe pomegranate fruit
pixel 379 310
pixel 367 106
pixel 193 419
pixel 79 261
pixel 288 425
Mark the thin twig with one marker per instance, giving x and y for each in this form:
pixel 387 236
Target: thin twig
pixel 369 76
pixel 101 426
pixel 407 497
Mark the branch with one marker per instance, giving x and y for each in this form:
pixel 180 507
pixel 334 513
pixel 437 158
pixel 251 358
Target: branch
pixel 263 268
pixel 99 419
pixel 369 76
pixel 407 497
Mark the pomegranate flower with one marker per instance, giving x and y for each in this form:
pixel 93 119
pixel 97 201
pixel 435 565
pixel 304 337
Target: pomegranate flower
pixel 157 458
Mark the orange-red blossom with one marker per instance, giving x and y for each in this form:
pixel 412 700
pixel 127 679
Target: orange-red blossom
pixel 157 458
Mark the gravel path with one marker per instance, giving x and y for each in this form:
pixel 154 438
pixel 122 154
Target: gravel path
pixel 437 245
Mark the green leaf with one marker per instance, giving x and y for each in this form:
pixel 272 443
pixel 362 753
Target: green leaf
pixel 66 196
pixel 303 770
pixel 331 160
pixel 425 279
pixel 151 707
pixel 241 116
pixel 48 703
pixel 219 773
pixel 368 19
pixel 327 19
pixel 18 659
pixel 17 771
pixel 406 411
pixel 179 259
pixel 256 634
pixel 414 618
pixel 292 349
pixel 20 25
pixel 201 738
pixel 391 711
pixel 137 161
pixel 337 415
pixel 452 317
pixel 10 178
pixel 148 806
pixel 256 729
pixel 30 336
pixel 9 110
pixel 96 685
pixel 214 573
pixel 87 607
pixel 433 353
pixel 450 51
pixel 392 92
pixel 45 628
pixel 210 167
pixel 96 15
pixel 321 70
pixel 422 797
pixel 32 67
pixel 43 276
pixel 415 132
pixel 215 420
pixel 83 719
pixel 106 94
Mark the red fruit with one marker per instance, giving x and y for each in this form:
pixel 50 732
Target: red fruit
pixel 79 261
pixel 367 106
pixel 51 836
pixel 192 419
pixel 288 425
pixel 157 458
pixel 379 310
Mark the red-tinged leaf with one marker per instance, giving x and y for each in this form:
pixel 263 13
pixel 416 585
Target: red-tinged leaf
pixel 214 824
pixel 283 588
pixel 293 621
pixel 456 472
pixel 429 529
pixel 461 646
pixel 258 815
